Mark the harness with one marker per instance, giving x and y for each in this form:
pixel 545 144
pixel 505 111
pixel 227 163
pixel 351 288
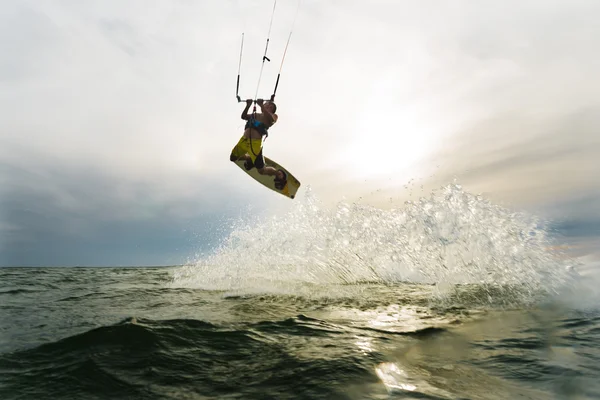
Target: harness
pixel 258 126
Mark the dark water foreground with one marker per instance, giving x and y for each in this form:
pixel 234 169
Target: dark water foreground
pixel 128 333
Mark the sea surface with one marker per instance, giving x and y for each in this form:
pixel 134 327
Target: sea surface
pixel 449 297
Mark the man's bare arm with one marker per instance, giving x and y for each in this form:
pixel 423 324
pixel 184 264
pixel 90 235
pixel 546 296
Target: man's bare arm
pixel 245 112
pixel 271 117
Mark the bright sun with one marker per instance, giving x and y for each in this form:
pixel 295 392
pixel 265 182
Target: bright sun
pixel 390 143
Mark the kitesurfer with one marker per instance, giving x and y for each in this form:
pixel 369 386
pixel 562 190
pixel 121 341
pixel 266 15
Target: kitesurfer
pixel 249 147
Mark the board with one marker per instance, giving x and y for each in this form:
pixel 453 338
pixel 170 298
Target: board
pixel 290 188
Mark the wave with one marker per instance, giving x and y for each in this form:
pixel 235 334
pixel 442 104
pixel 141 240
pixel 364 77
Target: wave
pixel 173 358
pixel 19 291
pixel 453 237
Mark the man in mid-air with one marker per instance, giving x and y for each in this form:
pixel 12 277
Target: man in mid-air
pixel 249 147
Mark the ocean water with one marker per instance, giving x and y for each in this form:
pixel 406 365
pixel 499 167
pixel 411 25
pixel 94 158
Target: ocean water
pixel 448 297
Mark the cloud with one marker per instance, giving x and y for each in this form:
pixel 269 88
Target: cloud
pixel 120 116
pixel 61 216
pixel 523 151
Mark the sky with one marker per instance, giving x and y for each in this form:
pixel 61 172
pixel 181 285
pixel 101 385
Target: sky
pixel 118 117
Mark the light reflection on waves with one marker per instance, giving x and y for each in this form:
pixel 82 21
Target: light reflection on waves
pixel 396 379
pixel 449 363
pixel 393 377
pixel 400 319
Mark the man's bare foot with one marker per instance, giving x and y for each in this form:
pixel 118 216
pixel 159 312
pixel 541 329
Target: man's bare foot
pixel 280 179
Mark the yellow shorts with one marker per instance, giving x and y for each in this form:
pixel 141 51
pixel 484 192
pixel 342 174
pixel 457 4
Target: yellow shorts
pixel 252 147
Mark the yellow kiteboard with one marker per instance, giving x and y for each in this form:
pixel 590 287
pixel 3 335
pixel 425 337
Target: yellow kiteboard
pixel 291 187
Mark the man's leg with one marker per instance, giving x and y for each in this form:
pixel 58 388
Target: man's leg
pixel 240 152
pixel 279 174
pixel 280 177
pixel 261 167
pixel 267 171
pixel 234 158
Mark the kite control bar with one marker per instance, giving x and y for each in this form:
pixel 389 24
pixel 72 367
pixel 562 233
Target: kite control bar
pixel 265 58
pixel 254 101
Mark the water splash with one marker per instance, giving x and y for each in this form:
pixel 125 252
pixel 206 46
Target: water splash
pixel 452 237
